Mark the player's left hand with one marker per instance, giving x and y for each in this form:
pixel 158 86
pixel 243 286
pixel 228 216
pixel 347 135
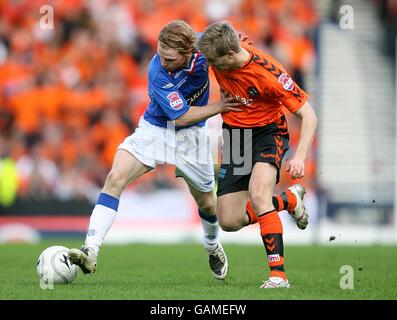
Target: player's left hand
pixel 296 168
pixel 245 39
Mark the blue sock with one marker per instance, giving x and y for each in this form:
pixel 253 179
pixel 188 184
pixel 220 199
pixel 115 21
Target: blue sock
pixel 207 217
pixel 101 220
pixel 108 201
pixel 211 230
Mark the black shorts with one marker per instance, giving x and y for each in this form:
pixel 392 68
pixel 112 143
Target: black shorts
pixel 269 144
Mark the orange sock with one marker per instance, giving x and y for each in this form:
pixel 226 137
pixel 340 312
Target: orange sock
pixel 270 223
pixel 250 213
pixel 285 201
pixel 272 236
pixel 277 273
pixel 291 199
pixel 278 203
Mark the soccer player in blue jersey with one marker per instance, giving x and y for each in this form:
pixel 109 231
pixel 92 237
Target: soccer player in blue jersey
pixel 172 130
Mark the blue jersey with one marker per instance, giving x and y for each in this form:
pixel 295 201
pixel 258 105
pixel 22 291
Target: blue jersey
pixel 172 94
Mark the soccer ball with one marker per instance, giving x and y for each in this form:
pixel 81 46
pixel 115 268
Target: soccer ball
pixel 54 267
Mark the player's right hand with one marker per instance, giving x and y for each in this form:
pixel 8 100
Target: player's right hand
pixel 228 104
pixel 296 168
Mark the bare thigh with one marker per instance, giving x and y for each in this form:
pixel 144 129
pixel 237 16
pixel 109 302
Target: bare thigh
pixel 125 169
pixel 231 210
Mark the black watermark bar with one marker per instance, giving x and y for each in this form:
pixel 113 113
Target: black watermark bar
pixel 198 309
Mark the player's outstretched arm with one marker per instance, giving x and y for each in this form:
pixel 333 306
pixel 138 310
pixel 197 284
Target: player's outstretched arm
pixel 296 166
pixel 197 114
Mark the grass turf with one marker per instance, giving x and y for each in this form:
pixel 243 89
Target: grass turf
pixel 181 272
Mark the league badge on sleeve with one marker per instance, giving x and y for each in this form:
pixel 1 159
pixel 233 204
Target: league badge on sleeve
pixel 287 82
pixel 176 101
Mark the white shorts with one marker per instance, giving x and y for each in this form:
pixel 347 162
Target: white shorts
pixel 188 149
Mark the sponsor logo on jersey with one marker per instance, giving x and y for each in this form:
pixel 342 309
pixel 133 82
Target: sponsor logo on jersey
pixel 192 98
pixel 176 102
pixel 176 75
pixel 168 86
pixel 243 100
pixel 179 84
pixel 287 82
pixel 273 257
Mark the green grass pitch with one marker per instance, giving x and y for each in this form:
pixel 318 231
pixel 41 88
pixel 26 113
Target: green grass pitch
pixel 177 272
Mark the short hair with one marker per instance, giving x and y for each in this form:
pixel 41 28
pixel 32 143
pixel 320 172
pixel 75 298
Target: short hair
pixel 218 39
pixel 178 35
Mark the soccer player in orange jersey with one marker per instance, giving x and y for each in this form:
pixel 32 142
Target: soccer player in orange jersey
pixel 259 133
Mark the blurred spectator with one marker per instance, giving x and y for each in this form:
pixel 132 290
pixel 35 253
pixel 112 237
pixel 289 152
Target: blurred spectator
pixel 37 173
pixel 388 16
pixel 70 95
pixel 8 181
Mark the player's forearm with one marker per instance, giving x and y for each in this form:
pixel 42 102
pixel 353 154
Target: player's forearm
pixel 197 114
pixel 307 132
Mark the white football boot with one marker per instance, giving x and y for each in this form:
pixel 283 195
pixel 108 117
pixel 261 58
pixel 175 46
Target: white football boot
pixel 274 283
pixel 299 213
pixel 85 258
pixel 218 262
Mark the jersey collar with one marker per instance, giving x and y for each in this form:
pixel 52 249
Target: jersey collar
pixel 193 62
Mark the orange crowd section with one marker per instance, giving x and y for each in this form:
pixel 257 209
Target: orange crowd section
pixel 71 91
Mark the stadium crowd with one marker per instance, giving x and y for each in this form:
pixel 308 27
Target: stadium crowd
pixel 69 95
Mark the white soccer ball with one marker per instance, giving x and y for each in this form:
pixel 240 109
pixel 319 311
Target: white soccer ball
pixel 54 267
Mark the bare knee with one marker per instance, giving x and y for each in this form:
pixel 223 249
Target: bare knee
pixel 115 182
pixel 260 203
pixel 229 223
pixel 206 203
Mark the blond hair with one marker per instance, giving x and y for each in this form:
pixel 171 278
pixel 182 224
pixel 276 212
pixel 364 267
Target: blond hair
pixel 178 35
pixel 218 39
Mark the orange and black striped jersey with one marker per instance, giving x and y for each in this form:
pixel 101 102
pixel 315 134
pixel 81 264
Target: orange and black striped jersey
pixel 263 86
